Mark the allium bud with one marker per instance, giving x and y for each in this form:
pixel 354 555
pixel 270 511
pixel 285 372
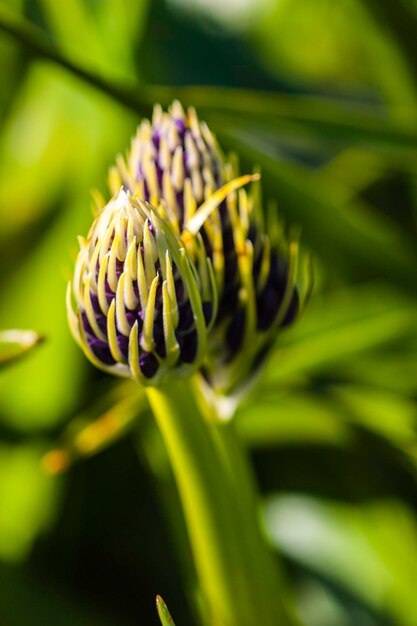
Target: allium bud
pixel 176 163
pixel 143 308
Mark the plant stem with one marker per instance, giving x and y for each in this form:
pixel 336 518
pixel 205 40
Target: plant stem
pixel 236 572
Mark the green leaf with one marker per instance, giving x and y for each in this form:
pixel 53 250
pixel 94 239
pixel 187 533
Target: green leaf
pixel 291 417
pixel 339 326
pixel 394 371
pixel 27 499
pixel 99 31
pixel 384 413
pixel 97 428
pixel 336 229
pixel 370 549
pixel 15 343
pixel 164 614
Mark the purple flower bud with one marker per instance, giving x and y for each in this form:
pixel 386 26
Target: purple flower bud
pixel 176 164
pixel 139 305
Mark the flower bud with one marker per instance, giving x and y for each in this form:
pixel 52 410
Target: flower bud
pixel 143 308
pixel 176 163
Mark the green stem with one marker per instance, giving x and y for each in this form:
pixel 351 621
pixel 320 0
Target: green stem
pixel 236 572
pixel 264 565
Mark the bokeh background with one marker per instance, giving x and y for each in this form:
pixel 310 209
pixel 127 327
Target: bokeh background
pixel 331 426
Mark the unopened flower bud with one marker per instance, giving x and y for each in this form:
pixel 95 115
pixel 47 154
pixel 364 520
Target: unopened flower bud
pixel 143 307
pixel 176 163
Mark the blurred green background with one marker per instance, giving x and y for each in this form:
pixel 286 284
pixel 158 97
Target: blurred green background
pixel 328 108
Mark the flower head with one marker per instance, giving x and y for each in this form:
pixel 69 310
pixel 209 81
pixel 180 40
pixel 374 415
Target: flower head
pixel 143 308
pixel 245 266
pixel 177 164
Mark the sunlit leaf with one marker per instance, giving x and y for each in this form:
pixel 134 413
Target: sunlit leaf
pixel 395 372
pixel 27 499
pixel 97 31
pixel 87 435
pixel 16 343
pixel 387 414
pixel 355 54
pixel 369 548
pixel 291 417
pixel 164 614
pixel 341 325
